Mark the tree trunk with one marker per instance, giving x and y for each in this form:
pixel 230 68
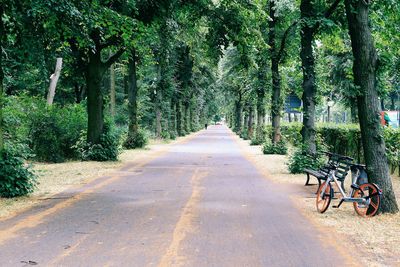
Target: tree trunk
pixel 276 102
pixel 250 126
pixel 80 92
pixel 364 69
pixel 260 113
pixel 112 90
pixel 308 65
pixel 238 115
pixel 276 79
pixel 179 118
pixel 173 127
pixel 186 117
pixel 158 116
pixel 2 34
pixel 53 81
pixel 132 96
pixel 354 112
pixel 94 74
pixel 191 118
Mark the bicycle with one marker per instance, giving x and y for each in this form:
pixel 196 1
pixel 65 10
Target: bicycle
pixel 366 197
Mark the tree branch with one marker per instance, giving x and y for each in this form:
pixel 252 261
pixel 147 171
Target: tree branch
pixel 327 14
pixel 113 40
pixel 114 57
pixel 284 39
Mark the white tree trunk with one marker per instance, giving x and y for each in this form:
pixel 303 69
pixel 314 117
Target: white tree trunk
pixel 53 81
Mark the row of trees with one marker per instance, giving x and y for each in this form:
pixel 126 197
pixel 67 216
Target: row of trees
pixel 157 44
pixel 317 49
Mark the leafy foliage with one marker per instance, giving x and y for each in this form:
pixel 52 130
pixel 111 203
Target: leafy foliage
pixel 300 160
pixel 107 150
pixel 279 148
pixel 55 130
pixel 15 178
pixel 138 140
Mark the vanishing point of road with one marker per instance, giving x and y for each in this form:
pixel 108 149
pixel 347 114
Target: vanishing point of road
pixel 201 203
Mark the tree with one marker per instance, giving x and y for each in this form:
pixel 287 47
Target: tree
pixel 276 56
pixel 310 23
pixel 364 68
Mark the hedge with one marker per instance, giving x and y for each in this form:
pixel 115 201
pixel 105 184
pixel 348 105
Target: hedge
pixel 343 139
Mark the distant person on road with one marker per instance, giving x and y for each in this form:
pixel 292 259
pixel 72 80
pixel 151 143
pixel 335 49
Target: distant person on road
pixel 205 126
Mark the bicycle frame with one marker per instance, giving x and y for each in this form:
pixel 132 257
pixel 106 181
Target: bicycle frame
pixel 345 198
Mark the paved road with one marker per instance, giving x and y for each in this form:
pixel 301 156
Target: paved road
pixel 200 204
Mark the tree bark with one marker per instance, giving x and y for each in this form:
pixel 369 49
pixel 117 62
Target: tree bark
pixel 112 90
pixel 250 125
pixel 132 96
pixel 238 115
pixel 364 69
pixel 53 81
pixel 179 118
pixel 354 112
pixel 2 34
pixel 276 104
pixel 308 66
pixel 94 73
pixel 186 117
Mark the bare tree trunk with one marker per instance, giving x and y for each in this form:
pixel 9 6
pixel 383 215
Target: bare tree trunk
pixel 308 65
pixel 94 75
pixel 112 90
pixel 53 81
pixel 364 69
pixel 179 127
pixel 251 122
pixel 132 96
pixel 276 79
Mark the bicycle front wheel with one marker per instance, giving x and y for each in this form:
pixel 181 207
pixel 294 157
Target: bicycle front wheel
pixel 370 193
pixel 324 197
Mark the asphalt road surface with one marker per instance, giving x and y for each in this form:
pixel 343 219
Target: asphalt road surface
pixel 199 204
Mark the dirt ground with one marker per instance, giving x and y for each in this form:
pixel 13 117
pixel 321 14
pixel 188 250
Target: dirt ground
pixel 55 178
pixel 377 239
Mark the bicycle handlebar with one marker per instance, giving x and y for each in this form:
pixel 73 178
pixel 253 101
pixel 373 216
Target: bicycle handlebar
pixel 338 156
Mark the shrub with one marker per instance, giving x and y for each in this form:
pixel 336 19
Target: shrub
pixel 138 140
pixel 279 148
pixel 107 150
pixel 55 130
pixel 392 141
pixel 173 135
pixel 300 160
pixel 15 178
pixel 255 142
pixel 165 135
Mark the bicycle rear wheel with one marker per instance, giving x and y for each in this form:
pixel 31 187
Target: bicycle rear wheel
pixel 324 198
pixel 371 193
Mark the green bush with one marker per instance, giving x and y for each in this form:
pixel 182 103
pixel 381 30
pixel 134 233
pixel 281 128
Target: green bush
pixel 107 150
pixel 392 141
pixel 279 148
pixel 15 178
pixel 173 135
pixel 255 142
pixel 300 159
pixel 55 130
pixel 17 114
pixel 138 140
pixel 165 135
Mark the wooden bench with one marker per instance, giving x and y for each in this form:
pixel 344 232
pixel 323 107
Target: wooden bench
pixel 343 164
